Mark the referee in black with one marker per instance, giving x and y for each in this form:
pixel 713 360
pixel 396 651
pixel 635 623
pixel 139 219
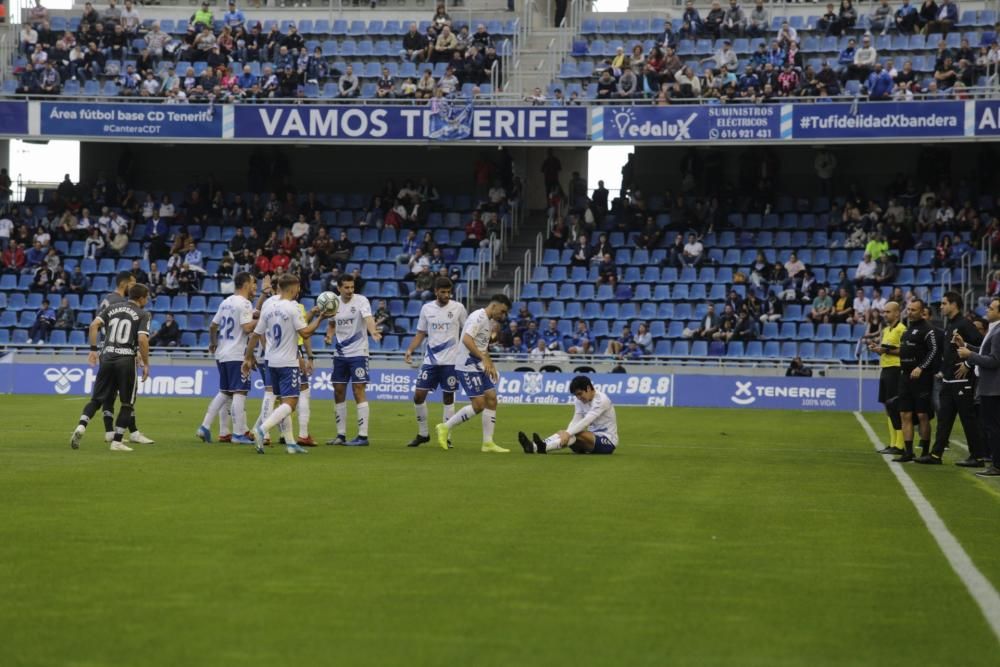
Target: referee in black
pixel 918 356
pixel 123 282
pixel 125 350
pixel 958 388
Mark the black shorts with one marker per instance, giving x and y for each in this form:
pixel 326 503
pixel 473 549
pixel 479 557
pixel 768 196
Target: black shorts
pixel 888 384
pixel 916 395
pixel 116 378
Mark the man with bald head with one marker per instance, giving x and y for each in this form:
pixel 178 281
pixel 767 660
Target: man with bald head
pixel 888 383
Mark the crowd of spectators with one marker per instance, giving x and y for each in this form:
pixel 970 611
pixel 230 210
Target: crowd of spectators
pixel 884 226
pixel 275 232
pixel 777 67
pixel 107 42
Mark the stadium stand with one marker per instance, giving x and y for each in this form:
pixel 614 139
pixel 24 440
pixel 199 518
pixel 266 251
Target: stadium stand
pixel 222 56
pixel 687 60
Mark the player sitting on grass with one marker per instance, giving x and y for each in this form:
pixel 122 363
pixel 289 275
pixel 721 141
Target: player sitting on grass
pixel 594 429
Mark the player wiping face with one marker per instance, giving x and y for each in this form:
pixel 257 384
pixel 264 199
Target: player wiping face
pixel 281 323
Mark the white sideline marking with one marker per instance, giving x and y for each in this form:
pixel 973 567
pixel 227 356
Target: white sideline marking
pixel 979 587
pixel 959 443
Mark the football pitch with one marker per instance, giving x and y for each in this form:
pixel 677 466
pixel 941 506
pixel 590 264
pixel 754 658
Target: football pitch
pixel 712 537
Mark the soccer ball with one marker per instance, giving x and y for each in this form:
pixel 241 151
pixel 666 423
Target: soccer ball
pixel 328 302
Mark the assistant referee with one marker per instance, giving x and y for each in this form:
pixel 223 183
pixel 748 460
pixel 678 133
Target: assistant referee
pixel 888 382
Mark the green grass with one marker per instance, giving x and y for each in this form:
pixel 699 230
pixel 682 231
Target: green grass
pixel 712 537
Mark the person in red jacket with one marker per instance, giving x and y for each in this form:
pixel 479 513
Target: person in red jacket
pixel 13 258
pixel 262 263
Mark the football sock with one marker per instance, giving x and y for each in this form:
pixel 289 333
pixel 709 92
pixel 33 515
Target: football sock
pixel 109 421
pixel 89 410
pixel 898 441
pixel 340 410
pixel 449 411
pixel 124 419
pixel 266 406
pixel 924 446
pixel 303 410
pixel 276 416
pixel 362 419
pixel 552 442
pixel 226 417
pixel 239 408
pixel 489 424
pixel 463 415
pixel 908 446
pixel 213 409
pixel 421 410
pixel 286 430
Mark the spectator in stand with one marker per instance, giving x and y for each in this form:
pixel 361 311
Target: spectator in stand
pixel 864 274
pixel 414 45
pixel 45 319
pixel 348 85
pixel 843 310
pixel 822 307
pixel 131 21
pixel 861 306
pixel 947 17
pixel 772 309
pixel 582 252
pixel 155 280
pixel 734 21
pixel 581 341
pixel 617 345
pixel 881 18
pixel 759 21
pixel 710 324
pixel 727 325
pixel 417 264
pixel 643 338
pixel 845 60
pixel 65 316
pixel 14 259
pixel 78 281
pixel 865 58
pixel 168 335
pixel 880 84
pixel 693 254
pixel 798 369
pixel 551 336
pixel 539 352
pixel 906 18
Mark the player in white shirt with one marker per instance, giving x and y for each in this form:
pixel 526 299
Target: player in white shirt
pixel 267 404
pixel 348 332
pixel 440 323
pixel 228 334
pixel 594 429
pixel 477 374
pixel 280 325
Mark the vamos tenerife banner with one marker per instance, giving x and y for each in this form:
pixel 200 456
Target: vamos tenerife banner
pixel 462 122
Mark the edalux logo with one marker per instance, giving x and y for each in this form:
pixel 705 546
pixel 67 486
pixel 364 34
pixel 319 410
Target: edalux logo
pixel 628 125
